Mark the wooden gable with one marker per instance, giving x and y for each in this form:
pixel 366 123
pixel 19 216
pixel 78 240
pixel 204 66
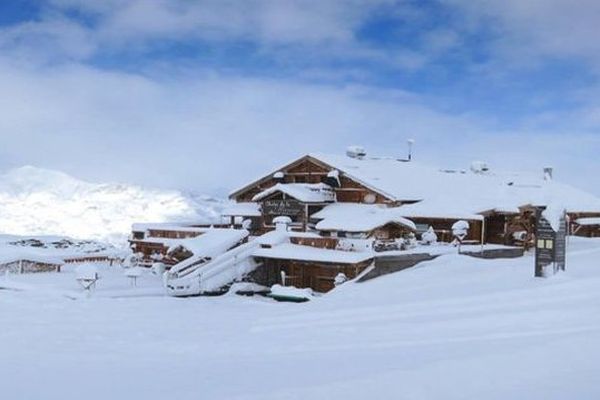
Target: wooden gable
pixel 308 169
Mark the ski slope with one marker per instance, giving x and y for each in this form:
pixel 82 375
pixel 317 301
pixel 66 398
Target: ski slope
pixel 452 328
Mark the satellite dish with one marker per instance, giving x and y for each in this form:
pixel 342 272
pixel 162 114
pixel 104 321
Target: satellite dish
pixel 369 198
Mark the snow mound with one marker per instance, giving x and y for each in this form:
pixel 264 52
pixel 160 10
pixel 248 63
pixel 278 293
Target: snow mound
pixel 35 201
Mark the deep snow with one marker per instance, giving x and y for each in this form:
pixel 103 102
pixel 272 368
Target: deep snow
pixel 35 201
pixel 453 328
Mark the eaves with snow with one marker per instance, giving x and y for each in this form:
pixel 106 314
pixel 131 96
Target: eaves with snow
pixel 427 191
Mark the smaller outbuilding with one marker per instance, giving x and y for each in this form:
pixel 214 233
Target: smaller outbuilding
pixel 19 264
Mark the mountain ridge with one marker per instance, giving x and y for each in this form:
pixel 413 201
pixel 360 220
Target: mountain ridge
pixel 38 201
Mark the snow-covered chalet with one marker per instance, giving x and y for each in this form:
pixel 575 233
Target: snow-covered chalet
pixel 323 214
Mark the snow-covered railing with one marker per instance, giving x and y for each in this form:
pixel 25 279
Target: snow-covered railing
pixel 227 260
pixel 212 275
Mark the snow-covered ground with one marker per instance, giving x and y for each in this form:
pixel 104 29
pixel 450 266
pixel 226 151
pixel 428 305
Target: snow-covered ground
pixel 35 201
pixel 453 328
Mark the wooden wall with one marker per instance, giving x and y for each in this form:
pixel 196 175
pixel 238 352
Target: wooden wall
pixel 584 231
pixel 443 228
pixel 322 243
pixel 172 234
pixel 302 274
pixel 495 229
pixel 308 170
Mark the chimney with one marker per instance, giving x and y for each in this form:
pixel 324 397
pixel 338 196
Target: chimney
pixel 410 142
pixel 548 171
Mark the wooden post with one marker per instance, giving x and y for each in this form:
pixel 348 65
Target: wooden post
pixel 482 233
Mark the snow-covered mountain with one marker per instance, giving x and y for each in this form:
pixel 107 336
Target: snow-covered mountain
pixel 36 201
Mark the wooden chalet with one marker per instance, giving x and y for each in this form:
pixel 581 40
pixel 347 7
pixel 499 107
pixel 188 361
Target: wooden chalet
pixel 306 186
pixel 343 198
pixel 325 216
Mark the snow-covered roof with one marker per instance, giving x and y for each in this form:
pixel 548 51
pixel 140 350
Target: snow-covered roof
pixel 8 258
pixel 166 226
pixel 458 192
pixel 242 210
pixel 213 242
pixel 305 192
pixel 453 194
pixel 587 221
pixel 351 217
pixel 436 209
pixel 288 251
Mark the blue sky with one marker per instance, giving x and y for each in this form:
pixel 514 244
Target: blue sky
pixel 222 91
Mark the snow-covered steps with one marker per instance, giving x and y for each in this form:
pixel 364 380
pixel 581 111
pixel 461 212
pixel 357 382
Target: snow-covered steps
pixel 220 257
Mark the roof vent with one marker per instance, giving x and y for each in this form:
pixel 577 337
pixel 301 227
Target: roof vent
pixel 356 152
pixel 479 167
pixel 279 177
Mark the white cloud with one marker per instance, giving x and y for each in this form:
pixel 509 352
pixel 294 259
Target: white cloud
pixel 209 131
pixel 53 39
pixel 205 130
pixel 527 30
pixel 270 21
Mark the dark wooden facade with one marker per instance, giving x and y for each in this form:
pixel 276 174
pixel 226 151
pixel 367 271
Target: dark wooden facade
pixel 443 228
pixel 510 228
pixel 318 276
pixel 310 170
pixel 146 245
pixel 322 243
pixel 584 230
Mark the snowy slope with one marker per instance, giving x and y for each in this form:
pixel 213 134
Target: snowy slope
pixel 453 328
pixel 36 201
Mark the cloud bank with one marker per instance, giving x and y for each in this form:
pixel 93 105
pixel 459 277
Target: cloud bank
pixel 209 94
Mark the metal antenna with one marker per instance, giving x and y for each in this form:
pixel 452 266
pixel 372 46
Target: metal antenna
pixel 410 145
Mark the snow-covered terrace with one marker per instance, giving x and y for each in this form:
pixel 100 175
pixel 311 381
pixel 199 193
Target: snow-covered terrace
pixel 288 251
pixel 167 226
pixel 588 221
pixel 350 217
pixel 212 242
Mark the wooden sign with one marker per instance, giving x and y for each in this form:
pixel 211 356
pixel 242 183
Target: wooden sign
pixel 288 207
pixel 560 248
pixel 550 245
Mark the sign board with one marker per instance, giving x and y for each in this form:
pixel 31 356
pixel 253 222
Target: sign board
pixel 550 245
pixel 560 249
pixel 288 207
